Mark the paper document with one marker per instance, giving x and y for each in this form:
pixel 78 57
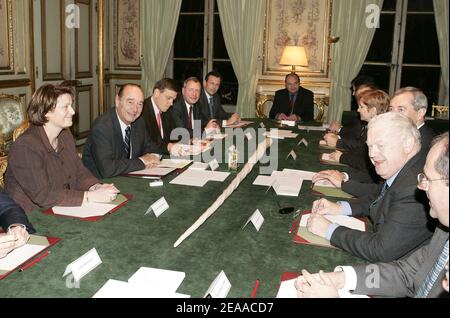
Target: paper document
pixel 174 163
pixel 199 166
pixel 312 128
pixel 155 279
pixel 156 171
pixel 280 134
pixel 302 174
pixel 89 209
pixel 344 220
pixel 19 255
pixel 238 124
pixel 198 178
pixel 287 186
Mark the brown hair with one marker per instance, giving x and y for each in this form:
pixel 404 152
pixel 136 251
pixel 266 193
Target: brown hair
pixel 166 83
pixel 377 99
pixel 44 100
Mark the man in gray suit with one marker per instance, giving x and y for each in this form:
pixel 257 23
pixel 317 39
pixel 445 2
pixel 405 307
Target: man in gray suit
pixel 119 142
pixel 398 211
pixel 419 275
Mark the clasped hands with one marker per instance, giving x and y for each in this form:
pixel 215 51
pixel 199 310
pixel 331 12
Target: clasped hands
pixel 319 285
pixel 150 160
pixel 333 176
pixel 16 237
pixel 317 223
pixel 293 117
pixel 101 193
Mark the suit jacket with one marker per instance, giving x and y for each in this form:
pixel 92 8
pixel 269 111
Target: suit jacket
pixel 180 116
pixel 218 112
pixel 303 106
pixel 426 137
pixel 404 277
pixel 12 213
pixel 400 219
pixel 151 124
pixel 358 158
pixel 104 154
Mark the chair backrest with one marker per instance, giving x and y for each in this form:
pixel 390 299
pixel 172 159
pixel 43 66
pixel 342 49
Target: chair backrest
pixel 439 111
pixel 12 114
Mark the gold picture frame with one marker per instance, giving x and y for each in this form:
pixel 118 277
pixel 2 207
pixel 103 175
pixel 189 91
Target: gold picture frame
pixel 6 38
pixel 303 23
pixel 127 45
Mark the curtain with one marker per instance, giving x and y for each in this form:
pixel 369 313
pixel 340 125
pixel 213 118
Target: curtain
pixel 349 23
pixel 159 24
pixel 441 15
pixel 243 26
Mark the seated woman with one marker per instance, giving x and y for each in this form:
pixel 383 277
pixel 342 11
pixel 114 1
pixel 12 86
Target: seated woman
pixel 44 169
pixel 14 222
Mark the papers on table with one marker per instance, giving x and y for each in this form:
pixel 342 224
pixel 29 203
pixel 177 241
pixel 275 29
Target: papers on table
pixel 288 290
pixel 305 175
pixel 147 282
pixel 199 166
pixel 283 182
pixel 324 183
pixel 198 178
pixel 153 172
pixel 238 124
pixel 313 128
pixel 289 123
pixel 174 163
pixel 89 209
pixel 280 134
pixel 344 220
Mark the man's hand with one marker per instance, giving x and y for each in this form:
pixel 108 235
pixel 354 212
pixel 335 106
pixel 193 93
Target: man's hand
pixel 281 116
pixel 336 155
pixel 294 117
pixel 233 119
pixel 331 139
pixel 333 176
pixel 317 224
pixel 150 160
pixel 316 286
pixel 335 127
pixel 106 192
pixel 16 237
pixel 323 206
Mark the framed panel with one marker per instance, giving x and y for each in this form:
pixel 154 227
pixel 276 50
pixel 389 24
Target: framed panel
pixel 84 113
pixel 6 38
pixel 302 23
pixel 83 40
pixel 127 45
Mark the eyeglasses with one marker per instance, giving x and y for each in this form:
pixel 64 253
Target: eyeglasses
pixel 423 182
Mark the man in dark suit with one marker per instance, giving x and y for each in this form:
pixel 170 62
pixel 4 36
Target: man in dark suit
pixel 157 113
pixel 210 100
pixel 294 102
pixel 119 142
pixel 398 212
pixel 186 111
pixel 14 222
pixel 423 274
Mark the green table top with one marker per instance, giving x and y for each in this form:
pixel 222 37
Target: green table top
pixel 127 240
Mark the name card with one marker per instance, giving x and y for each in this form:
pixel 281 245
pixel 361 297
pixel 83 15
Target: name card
pixel 249 136
pixel 219 287
pixel 303 141
pixel 158 207
pixel 156 183
pixel 224 123
pixel 289 123
pixel 83 265
pixel 213 164
pixel 256 218
pixel 292 154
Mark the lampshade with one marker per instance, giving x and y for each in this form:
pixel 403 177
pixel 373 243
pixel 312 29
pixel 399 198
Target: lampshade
pixel 294 55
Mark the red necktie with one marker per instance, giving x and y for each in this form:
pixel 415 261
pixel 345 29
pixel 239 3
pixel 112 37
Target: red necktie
pixel 190 118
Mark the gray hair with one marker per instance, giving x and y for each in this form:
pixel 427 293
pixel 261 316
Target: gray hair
pixel 441 164
pixel 397 125
pixel 419 99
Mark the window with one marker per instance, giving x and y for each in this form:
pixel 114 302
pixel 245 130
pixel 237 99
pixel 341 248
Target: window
pixel 405 49
pixel 199 47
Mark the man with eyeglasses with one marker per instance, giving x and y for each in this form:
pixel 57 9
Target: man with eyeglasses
pixel 424 274
pixel 397 211
pixel 119 142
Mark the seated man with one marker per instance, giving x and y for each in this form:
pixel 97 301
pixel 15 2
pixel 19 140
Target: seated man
pixel 398 213
pixel 210 100
pixel 157 113
pixel 293 102
pixel 186 111
pixel 14 222
pixel 119 142
pixel 423 273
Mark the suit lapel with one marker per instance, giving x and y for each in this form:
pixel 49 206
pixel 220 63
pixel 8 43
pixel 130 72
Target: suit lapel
pixel 117 133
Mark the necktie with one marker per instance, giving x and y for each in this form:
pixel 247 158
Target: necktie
pixel 190 118
pixel 127 141
pixel 211 110
pixel 291 104
pixel 432 276
pixel 381 195
pixel 159 123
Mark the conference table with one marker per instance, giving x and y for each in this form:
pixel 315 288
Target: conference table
pixel 127 239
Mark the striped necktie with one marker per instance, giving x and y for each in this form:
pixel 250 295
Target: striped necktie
pixel 126 141
pixel 211 107
pixel 190 118
pixel 381 195
pixel 432 276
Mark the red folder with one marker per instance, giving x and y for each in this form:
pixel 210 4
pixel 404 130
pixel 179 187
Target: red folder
pixel 301 240
pixel 51 240
pixel 92 218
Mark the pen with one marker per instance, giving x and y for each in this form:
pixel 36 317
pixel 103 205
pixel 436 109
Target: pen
pixel 42 256
pixel 255 288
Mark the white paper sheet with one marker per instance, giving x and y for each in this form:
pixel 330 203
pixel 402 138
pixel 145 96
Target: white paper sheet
pixel 312 128
pixel 156 171
pixel 198 178
pixel 199 166
pixel 174 163
pixel 302 174
pixel 85 210
pixel 19 255
pixel 155 279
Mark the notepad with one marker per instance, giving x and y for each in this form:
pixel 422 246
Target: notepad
pixel 312 128
pixel 280 134
pixel 89 209
pixel 155 279
pixel 174 163
pixel 198 178
pixel 156 171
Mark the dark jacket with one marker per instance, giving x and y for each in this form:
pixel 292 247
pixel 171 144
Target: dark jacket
pixel 218 112
pixel 303 106
pixel 12 213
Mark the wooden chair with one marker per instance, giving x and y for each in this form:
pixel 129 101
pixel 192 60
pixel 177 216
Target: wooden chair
pixel 439 111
